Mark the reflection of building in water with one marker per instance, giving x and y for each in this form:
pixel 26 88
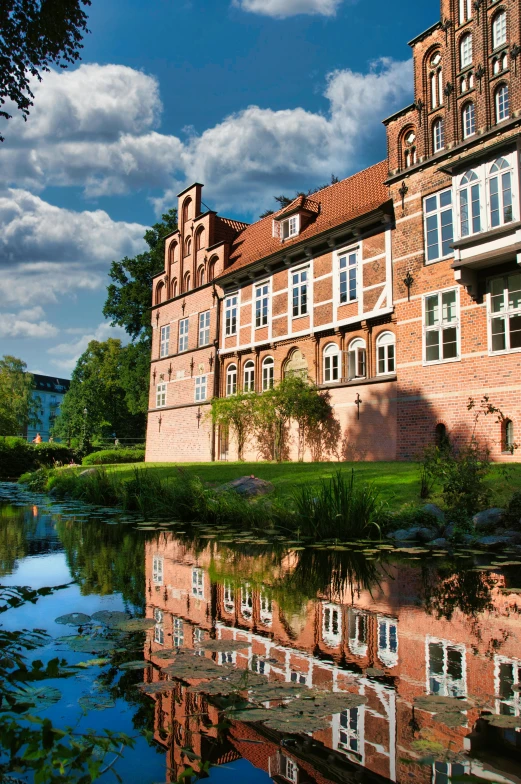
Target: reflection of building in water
pixel 381 645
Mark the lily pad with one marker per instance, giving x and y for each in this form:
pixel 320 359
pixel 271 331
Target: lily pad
pixel 374 672
pixel 93 663
pixel 296 724
pixel 96 702
pixel 110 617
pixel 90 644
pixel 135 624
pixel 74 619
pixel 189 667
pixel 451 719
pixel 159 687
pixel 437 704
pixel 217 687
pixel 249 714
pixel 504 722
pixel 328 704
pixel 134 665
pixel 38 697
pixel 223 646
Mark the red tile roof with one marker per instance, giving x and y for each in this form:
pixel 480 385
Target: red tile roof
pixel 339 203
pixel 300 203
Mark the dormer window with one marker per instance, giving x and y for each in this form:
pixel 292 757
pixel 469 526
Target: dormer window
pixel 290 227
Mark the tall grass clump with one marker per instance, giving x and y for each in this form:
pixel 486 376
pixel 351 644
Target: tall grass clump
pixel 339 508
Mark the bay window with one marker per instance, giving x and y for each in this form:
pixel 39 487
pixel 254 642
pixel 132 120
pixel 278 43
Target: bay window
pixel 441 326
pixel 500 189
pixel 439 231
pixel 505 313
pixel 470 204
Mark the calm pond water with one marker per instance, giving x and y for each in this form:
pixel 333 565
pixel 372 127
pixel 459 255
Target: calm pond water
pixel 267 660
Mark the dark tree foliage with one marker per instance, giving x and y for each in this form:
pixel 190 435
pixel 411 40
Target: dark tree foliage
pixel 35 34
pixel 129 296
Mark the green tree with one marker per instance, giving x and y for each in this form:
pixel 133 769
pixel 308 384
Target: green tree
pixel 35 34
pixel 97 388
pixel 18 407
pixel 236 414
pixel 129 296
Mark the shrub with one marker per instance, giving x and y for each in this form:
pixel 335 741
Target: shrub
pixel 17 456
pixel 512 516
pixel 338 508
pixel 408 518
pixel 112 456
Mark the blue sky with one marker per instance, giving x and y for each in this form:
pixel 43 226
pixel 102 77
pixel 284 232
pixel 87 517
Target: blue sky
pixel 251 97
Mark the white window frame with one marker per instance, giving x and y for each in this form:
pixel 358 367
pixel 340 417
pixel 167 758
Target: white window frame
pixel 183 335
pixel 499 25
pixel 386 341
pixel 500 174
pixel 466 51
pixel 231 315
pixel 268 373
pixel 357 623
pixel 468 114
pixel 158 569
pixel 500 103
pixel 446 685
pixel 473 181
pixel 299 285
pixel 484 177
pixel 204 328
pixel 249 376
pixel 289 769
pixel 159 629
pixel 247 602
pixel 165 341
pixel 228 598
pixel 332 364
pixel 438 134
pixel 347 275
pixel 351 739
pixel 161 395
pixel 201 388
pixel 332 625
pixel 441 326
pixel 386 654
pixel 505 314
pixel 439 212
pixel 262 304
pixel 290 227
pixel 465 11
pixel 178 632
pixel 266 608
pixel 231 380
pixel 513 703
pixel 198 582
pixel 357 359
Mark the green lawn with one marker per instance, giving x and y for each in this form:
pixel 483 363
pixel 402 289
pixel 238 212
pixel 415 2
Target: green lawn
pixel 398 482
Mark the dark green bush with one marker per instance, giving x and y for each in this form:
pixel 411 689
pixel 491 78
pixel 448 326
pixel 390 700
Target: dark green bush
pixel 512 516
pixel 17 456
pixel 113 456
pixel 408 518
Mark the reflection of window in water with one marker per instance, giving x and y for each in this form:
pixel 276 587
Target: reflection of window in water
pixel 227 657
pixel 289 770
pixel 507 675
pixel 198 583
pixel 229 598
pixel 178 632
pixel 258 665
pixel 298 677
pixel 159 631
pixel 266 613
pixel 246 602
pixel 349 738
pixel 443 772
pixel 357 633
pixel 157 570
pixel 388 641
pixel 446 668
pixel 332 625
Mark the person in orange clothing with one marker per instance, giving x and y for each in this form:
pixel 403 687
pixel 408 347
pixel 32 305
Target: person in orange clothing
pixel 37 439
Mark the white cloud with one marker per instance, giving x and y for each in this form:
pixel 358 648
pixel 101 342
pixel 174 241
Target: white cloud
pixel 65 355
pixel 281 9
pixel 26 324
pixel 47 251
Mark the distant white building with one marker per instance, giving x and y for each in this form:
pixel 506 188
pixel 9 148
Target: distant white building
pixel 50 392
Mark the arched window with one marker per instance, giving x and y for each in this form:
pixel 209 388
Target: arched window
pixel 465 11
pixel 173 288
pixel 470 204
pixel 188 246
pixel 409 148
pixel 436 80
pixel 468 118
pixel 172 252
pixel 438 135
pixel 160 290
pixel 465 49
pixel 500 190
pixel 211 269
pixel 356 359
pixel 441 436
pixel 508 436
pixel 268 373
pixel 386 353
pixel 200 239
pixel 231 380
pixel 332 363
pixel 187 282
pixel 201 276
pixel 499 30
pixel 249 376
pixel 502 103
pixel 187 209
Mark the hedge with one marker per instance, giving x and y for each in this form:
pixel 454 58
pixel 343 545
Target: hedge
pixel 111 456
pixel 17 456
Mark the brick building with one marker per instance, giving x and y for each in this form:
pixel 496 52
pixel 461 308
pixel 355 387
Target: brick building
pixel 384 643
pixel 398 289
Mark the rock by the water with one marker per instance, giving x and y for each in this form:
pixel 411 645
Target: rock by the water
pixel 248 486
pixel 404 534
pixel 435 511
pixel 449 531
pixel 494 542
pixel 441 542
pixel 488 518
pixel 88 472
pixel 426 534
pixel 468 539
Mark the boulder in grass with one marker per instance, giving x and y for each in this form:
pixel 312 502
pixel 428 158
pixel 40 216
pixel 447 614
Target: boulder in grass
pixel 88 472
pixel 435 511
pixel 426 534
pixel 248 487
pixel 489 518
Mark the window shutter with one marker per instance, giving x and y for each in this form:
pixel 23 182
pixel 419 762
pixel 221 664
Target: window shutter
pixel 351 371
pixel 275 228
pixel 361 362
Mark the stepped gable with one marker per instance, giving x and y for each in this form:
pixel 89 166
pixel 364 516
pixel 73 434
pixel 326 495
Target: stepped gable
pixel 337 204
